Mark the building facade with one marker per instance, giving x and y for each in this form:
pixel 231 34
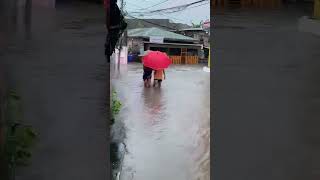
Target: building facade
pixel 181 49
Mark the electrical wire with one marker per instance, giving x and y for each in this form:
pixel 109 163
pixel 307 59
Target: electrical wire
pixel 152 23
pixel 155 5
pixel 175 8
pixel 161 13
pixel 141 15
pixel 179 7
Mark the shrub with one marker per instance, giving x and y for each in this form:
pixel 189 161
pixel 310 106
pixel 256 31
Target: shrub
pixel 115 106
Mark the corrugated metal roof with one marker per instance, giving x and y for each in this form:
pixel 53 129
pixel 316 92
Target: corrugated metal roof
pixel 147 32
pixel 192 29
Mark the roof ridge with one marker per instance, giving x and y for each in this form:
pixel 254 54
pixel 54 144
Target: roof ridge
pixel 144 32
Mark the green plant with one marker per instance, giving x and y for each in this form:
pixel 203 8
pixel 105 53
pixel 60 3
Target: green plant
pixel 20 141
pixel 115 106
pixel 20 138
pixel 194 25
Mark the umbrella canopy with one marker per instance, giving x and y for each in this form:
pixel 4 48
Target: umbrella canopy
pixel 156 60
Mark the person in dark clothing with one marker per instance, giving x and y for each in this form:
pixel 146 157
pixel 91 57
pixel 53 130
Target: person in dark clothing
pixel 147 74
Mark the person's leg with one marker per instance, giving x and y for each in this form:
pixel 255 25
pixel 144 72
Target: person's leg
pixel 154 83
pixel 159 83
pixel 145 81
pixel 149 82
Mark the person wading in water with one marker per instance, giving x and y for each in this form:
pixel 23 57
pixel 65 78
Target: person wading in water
pixel 159 75
pixel 147 74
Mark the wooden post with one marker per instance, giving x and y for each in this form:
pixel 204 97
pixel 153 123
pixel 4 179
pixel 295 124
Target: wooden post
pixel 209 58
pixel 214 5
pixel 316 13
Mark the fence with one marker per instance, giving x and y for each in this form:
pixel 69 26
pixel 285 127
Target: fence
pixel 192 60
pixel 188 59
pixel 175 59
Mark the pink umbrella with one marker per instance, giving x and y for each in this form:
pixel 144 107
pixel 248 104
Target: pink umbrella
pixel 156 60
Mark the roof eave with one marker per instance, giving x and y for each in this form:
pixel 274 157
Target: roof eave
pixel 185 40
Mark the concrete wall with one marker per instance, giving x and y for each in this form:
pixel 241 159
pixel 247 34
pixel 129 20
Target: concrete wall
pixel 135 44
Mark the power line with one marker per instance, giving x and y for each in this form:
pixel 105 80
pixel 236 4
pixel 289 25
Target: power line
pixel 186 8
pixel 162 14
pixel 159 13
pixel 152 22
pixel 199 5
pixel 155 5
pixel 175 11
pixel 178 7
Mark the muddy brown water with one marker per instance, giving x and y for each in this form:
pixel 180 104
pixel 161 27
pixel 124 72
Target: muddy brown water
pixel 167 128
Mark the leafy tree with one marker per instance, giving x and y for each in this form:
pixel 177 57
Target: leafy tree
pixel 195 25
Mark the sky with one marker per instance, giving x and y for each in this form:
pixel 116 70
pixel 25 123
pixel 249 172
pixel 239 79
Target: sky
pixel 191 14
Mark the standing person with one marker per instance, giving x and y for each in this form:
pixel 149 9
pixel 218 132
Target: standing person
pixel 147 74
pixel 159 75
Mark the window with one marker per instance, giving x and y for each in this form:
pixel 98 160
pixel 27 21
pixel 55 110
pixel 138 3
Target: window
pixel 161 49
pixel 174 52
pixel 192 52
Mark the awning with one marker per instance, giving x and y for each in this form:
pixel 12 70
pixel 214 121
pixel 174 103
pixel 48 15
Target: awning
pixel 176 44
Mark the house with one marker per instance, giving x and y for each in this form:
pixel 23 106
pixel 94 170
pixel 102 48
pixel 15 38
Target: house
pixel 181 49
pixel 201 35
pixel 149 23
pixel 197 33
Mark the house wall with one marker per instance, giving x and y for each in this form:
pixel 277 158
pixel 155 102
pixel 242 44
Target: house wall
pixel 198 35
pixel 135 44
pixel 174 46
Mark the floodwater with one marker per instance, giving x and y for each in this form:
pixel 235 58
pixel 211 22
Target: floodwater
pixel 167 128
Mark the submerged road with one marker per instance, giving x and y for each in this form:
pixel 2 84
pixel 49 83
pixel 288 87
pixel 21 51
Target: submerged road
pixel 167 128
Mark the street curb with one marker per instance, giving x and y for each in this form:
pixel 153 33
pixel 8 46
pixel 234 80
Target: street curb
pixel 306 24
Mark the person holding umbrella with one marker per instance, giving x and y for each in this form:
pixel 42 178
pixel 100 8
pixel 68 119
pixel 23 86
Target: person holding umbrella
pixel 158 61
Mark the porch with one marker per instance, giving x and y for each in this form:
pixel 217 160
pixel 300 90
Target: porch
pixel 178 53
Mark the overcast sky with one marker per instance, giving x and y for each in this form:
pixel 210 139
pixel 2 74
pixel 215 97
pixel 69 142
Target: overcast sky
pixel 191 14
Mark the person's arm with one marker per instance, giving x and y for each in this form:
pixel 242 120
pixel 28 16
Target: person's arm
pixel 164 73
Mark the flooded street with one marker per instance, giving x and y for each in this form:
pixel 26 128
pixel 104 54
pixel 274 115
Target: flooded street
pixel 167 128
